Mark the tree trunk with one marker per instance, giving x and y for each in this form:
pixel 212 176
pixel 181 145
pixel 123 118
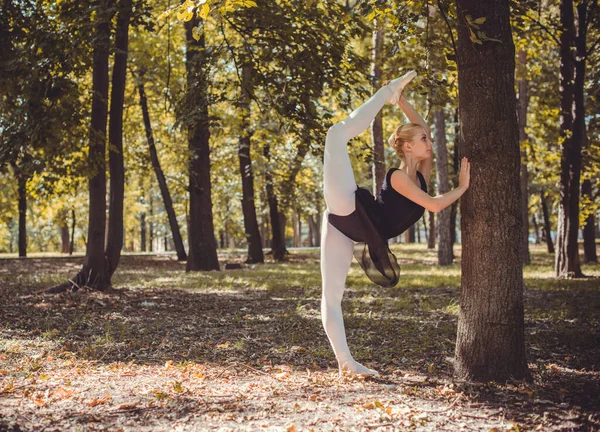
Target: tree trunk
pixel 580 131
pixel 22 185
pixel 143 231
pixel 115 138
pixel 64 238
pixel 72 243
pixel 490 342
pixel 432 231
pixel 409 235
pixel 202 243
pixel 95 273
pixel 547 229
pixel 567 253
pixel 151 224
pixel 378 168
pixel 255 252
pixel 589 240
pixel 455 157
pixel 277 241
pixel 162 182
pixel 445 252
pixel 523 104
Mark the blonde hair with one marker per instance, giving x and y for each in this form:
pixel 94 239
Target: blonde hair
pixel 402 134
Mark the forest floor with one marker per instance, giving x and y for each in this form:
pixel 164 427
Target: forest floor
pixel 245 350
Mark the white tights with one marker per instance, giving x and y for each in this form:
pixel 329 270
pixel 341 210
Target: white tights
pixel 336 248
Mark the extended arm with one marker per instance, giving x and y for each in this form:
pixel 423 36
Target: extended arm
pixel 402 184
pixel 413 116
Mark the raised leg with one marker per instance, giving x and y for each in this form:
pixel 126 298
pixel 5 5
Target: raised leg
pixel 338 178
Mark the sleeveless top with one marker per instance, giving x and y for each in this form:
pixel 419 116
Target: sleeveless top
pixel 373 222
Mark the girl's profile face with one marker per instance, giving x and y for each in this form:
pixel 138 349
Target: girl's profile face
pixel 421 145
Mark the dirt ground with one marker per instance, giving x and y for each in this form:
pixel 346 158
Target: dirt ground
pixel 245 350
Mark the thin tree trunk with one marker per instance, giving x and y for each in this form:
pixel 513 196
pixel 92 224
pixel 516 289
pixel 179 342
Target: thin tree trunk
pixel 64 238
pixel 202 243
pixel 567 253
pixel 432 231
pixel 589 240
pixel 162 182
pixel 72 243
pixel 378 168
pixel 445 250
pixel 409 235
pixel 490 343
pixel 277 242
pixel 151 224
pixel 95 273
pixel 547 230
pixel 455 157
pixel 143 231
pixel 115 138
pixel 22 186
pixel 580 131
pixel 255 252
pixel 523 104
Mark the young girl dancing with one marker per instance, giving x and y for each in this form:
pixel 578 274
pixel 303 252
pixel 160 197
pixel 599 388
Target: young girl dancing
pixel 355 223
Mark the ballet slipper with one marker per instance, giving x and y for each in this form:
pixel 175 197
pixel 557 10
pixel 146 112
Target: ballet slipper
pixel 398 85
pixel 353 367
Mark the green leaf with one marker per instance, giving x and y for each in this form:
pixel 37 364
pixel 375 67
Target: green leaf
pixel 479 20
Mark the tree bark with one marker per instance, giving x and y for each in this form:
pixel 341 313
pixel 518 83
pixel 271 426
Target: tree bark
pixel 523 104
pixel 72 243
pixel 490 341
pixel 567 253
pixel 160 177
pixel 115 138
pixel 378 168
pixel 95 273
pixel 445 252
pixel 277 242
pixel 432 231
pixel 151 224
pixel 580 131
pixel 255 252
pixel 409 235
pixel 64 238
pixel 22 186
pixel 202 242
pixel 547 229
pixel 589 240
pixel 455 157
pixel 143 231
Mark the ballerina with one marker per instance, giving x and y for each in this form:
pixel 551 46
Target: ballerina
pixel 355 223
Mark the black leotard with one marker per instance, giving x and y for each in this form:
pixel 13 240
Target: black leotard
pixel 373 222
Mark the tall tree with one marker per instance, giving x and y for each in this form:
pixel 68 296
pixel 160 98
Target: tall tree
pixel 160 176
pixel 115 138
pixel 201 236
pixel 255 252
pixel 579 125
pixel 94 272
pixel 490 343
pixel 567 250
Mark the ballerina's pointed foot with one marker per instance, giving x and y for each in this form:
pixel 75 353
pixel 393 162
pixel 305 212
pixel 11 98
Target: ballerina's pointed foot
pixel 354 367
pixel 398 85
